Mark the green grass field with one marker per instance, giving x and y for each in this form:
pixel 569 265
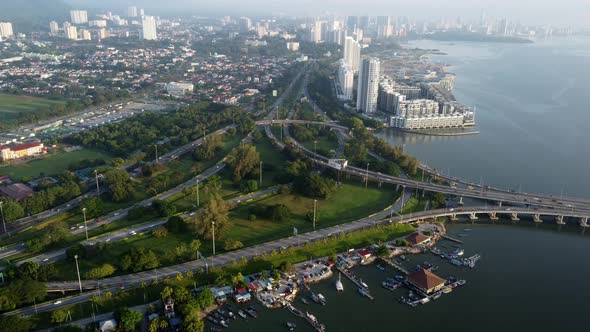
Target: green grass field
pixel 11 105
pixel 52 164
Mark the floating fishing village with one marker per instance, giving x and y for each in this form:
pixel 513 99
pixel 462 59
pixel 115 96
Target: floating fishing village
pixel 411 284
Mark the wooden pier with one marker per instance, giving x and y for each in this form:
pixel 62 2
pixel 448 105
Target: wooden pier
pixel 452 239
pixel 396 266
pixel 316 325
pixel 356 281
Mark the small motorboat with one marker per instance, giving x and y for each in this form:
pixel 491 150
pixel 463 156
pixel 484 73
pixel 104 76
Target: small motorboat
pixel 215 329
pixel 447 290
pixel 364 284
pixel 252 313
pixel 291 326
pixel 304 300
pixel 223 323
pixel 381 267
pixel 242 314
pixel 322 299
pixel 461 282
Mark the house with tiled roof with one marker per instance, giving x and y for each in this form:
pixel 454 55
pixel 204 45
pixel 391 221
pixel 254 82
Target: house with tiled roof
pixel 17 191
pixel 426 281
pixel 417 239
pixel 11 152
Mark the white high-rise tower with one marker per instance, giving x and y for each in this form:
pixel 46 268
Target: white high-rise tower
pixel 368 85
pixel 148 30
pixel 352 53
pixel 79 16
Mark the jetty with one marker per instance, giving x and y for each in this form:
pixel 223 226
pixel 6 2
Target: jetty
pixel 356 281
pixel 396 266
pixel 307 316
pixel 452 239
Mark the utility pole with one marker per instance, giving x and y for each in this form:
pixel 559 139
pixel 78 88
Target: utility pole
pixel 156 146
pixel 260 185
pixel 367 177
pixel 403 201
pixel 97 187
pixel 204 135
pixel 213 233
pixel 315 202
pixel 198 198
pixel 3 221
pixel 78 270
pixel 85 227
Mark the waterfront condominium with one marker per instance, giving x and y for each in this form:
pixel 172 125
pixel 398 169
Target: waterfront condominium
pixel 368 85
pixel 79 16
pixel 148 30
pixel 352 53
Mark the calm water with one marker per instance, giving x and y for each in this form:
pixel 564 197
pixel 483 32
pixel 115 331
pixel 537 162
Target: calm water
pixel 529 279
pixel 532 112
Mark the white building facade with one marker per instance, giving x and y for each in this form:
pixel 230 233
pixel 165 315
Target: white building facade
pixel 148 28
pixel 368 85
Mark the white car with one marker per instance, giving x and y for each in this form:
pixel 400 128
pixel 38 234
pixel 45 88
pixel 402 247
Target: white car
pixel 57 302
pixel 116 213
pixel 81 226
pixel 132 233
pixel 46 259
pixel 107 240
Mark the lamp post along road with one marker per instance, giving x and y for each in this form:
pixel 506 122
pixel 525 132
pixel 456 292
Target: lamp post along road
pixel 85 226
pixel 260 171
pixel 3 221
pixel 213 233
pixel 367 177
pixel 97 187
pixel 78 270
pixel 198 199
pixel 315 201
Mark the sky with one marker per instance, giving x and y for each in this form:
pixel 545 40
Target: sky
pixel 562 12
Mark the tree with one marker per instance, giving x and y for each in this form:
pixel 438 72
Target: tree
pixel 139 259
pixel 249 186
pixel 279 212
pixel 15 323
pixel 119 184
pixel 12 210
pixel 181 295
pixel 176 224
pixel 192 322
pixel 314 186
pixel 160 232
pixel 216 210
pixel 93 206
pixel 207 150
pixel 157 324
pixel 129 319
pixel 205 298
pixel 244 161
pixel 382 251
pixel 59 316
pixel 164 208
pixel 166 292
pixel 100 272
pixel 232 245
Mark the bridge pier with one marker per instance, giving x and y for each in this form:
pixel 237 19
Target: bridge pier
pixel 493 216
pixel 559 220
pixel 584 221
pixel 380 184
pixel 500 203
pixel 453 217
pixel 472 216
pixel 460 200
pixel 537 218
pixel 514 216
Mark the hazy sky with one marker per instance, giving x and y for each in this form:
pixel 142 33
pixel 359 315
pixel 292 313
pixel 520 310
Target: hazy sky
pixel 527 11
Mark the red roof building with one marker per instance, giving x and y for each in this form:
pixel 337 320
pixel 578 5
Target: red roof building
pixel 417 238
pixel 17 191
pixel 426 281
pixel 20 151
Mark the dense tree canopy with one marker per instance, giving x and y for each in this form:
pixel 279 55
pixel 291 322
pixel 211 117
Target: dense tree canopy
pixel 244 161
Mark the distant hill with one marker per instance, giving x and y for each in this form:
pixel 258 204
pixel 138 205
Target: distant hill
pixel 33 15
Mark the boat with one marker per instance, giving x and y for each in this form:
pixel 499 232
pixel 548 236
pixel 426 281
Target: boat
pixel 436 295
pixel 447 290
pixel 463 235
pixel 381 267
pixel 252 313
pixel 311 317
pixel 459 252
pixel 315 298
pixel 364 284
pixel 467 229
pixel 425 300
pixel 215 329
pixel 435 251
pixel 223 323
pixel 390 285
pixel 231 315
pixel 400 278
pixel 304 300
pixel 362 291
pixel 291 326
pixel 242 314
pixel 212 320
pixel 322 299
pixel 252 308
pixel 457 262
pixel 403 258
pixel 461 282
pixel 339 286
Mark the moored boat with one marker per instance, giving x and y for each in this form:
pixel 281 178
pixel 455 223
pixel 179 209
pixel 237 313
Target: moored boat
pixel 381 267
pixel 447 290
pixel 304 300
pixel 322 299
pixel 291 326
pixel 242 314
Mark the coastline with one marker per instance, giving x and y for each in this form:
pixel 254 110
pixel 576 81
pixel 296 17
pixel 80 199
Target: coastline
pixel 420 132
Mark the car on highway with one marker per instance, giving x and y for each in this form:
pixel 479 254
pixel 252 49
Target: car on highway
pixel 133 233
pixel 81 226
pixel 117 213
pixel 46 259
pixel 57 302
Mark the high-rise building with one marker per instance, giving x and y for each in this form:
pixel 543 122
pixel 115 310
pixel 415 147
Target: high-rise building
pixel 141 12
pixel 6 29
pixel 97 23
pixel 363 22
pixel 84 35
pixel 53 27
pixel 131 11
pixel 148 30
pixel 102 33
pixel 71 32
pixel 384 27
pixel 352 22
pixel 352 53
pixel 245 24
pixel 345 80
pixel 316 32
pixel 79 16
pixel 368 85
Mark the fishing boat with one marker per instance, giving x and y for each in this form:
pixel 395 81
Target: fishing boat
pixel 339 286
pixel 381 267
pixel 291 326
pixel 231 315
pixel 400 278
pixel 436 295
pixel 304 300
pixel 242 314
pixel 322 299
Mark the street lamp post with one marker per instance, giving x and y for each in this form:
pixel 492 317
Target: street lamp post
pixel 260 185
pixel 78 270
pixel 156 146
pixel 85 226
pixel 403 202
pixel 367 177
pixel 315 202
pixel 213 233
pixel 97 187
pixel 198 198
pixel 3 221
